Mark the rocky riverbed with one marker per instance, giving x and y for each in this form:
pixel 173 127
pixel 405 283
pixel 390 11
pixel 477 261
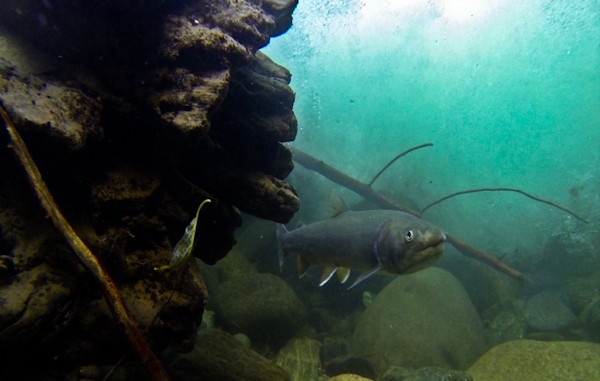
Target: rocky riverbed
pixel 136 112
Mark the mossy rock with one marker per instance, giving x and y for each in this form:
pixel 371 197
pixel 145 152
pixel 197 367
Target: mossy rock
pixel 418 320
pixel 539 361
pixel 262 306
pixel 218 356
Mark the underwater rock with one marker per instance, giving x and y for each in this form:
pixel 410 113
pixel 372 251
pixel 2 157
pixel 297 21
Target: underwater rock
pixel 129 110
pixel 332 348
pixel 29 305
pixel 63 116
pixel 548 336
pixel 208 320
pixel 300 358
pixel 166 306
pixel 257 118
pixel 571 252
pixel 505 325
pixel 580 291
pixel 60 114
pixel 281 10
pixel 243 339
pixel 248 167
pixel 421 319
pixel 256 240
pixel 542 280
pixel 218 29
pixel 367 299
pixel 486 286
pixel 349 377
pixel 202 93
pixel 430 373
pixel 336 357
pixel 124 187
pixel 183 99
pixel 539 361
pixel 546 311
pixel 232 266
pixel 261 306
pixel 217 356
pixel 254 192
pixel 350 364
pixel 590 316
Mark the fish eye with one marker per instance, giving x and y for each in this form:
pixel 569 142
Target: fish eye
pixel 409 235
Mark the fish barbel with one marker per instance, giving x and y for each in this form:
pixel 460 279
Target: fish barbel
pixel 370 240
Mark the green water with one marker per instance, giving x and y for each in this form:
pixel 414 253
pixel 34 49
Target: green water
pixel 508 91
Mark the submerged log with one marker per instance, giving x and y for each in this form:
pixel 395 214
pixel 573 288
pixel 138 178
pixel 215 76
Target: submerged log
pixel 115 99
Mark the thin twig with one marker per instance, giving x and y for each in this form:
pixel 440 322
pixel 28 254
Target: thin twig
pixel 114 368
pixel 398 157
pixel 505 190
pixel 111 293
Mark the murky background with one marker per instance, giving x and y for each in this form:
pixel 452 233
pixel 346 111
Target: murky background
pixel 508 91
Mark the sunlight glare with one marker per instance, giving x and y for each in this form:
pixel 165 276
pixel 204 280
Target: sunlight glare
pixel 464 10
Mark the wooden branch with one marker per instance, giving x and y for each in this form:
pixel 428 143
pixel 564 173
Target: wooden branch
pixel 111 293
pixel 313 164
pixel 484 257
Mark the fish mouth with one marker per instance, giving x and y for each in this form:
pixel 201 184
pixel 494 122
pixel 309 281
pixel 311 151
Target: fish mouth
pixel 432 252
pixel 425 257
pixel 435 243
pixel 438 245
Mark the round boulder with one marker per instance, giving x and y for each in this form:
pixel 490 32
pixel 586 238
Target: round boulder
pixel 262 306
pixel 539 360
pixel 547 312
pixel 418 320
pixel 349 377
pixel 218 356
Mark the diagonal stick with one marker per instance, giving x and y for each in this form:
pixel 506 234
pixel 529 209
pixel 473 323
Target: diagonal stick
pixel 111 293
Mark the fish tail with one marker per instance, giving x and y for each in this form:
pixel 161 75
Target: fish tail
pixel 281 232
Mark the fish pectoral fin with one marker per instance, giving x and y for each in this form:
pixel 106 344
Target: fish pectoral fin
pixel 302 266
pixel 343 273
pixel 366 275
pixel 326 275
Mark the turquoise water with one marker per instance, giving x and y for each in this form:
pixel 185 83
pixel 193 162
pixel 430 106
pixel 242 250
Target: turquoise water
pixel 508 92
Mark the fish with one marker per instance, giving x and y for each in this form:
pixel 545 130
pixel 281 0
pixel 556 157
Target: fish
pixel 369 240
pixel 185 246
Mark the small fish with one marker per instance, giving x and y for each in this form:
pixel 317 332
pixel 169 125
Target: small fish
pixel 185 246
pixel 370 240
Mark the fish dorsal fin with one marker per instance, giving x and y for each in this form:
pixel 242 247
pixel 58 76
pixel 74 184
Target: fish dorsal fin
pixel 302 266
pixel 338 205
pixel 366 275
pixel 343 273
pixel 326 275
